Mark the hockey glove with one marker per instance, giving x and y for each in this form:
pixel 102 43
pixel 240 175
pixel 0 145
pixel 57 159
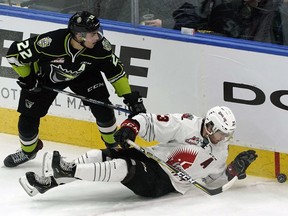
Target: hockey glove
pixel 128 130
pixel 135 103
pixel 239 165
pixel 31 83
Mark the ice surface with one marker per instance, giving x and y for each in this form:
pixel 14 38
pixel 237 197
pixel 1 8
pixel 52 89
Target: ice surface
pixel 252 196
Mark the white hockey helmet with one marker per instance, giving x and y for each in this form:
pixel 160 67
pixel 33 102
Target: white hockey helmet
pixel 221 118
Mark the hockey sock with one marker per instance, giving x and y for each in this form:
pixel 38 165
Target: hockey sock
pixel 107 130
pixel 28 145
pixel 91 156
pixel 108 171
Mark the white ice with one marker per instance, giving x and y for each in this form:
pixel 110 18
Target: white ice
pixel 252 196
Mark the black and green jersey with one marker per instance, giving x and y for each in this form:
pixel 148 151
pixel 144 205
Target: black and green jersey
pixel 51 55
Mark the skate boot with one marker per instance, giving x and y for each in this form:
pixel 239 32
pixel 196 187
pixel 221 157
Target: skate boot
pixel 34 184
pixel 53 164
pixel 21 157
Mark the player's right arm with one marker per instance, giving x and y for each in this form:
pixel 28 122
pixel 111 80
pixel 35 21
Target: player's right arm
pixel 162 128
pixel 23 56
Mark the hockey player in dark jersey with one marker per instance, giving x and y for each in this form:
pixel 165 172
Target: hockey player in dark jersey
pixel 71 57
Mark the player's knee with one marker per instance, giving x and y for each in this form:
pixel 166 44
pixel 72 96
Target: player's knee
pixel 131 165
pixel 103 115
pixel 119 169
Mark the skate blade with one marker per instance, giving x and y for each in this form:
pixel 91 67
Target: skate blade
pixel 30 190
pixel 47 164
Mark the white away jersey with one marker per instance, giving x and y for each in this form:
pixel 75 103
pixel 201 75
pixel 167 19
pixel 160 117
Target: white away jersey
pixel 181 144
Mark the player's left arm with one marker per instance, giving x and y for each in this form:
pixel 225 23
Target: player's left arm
pixel 115 74
pixel 240 164
pixel 113 68
pixel 237 168
pixel 162 128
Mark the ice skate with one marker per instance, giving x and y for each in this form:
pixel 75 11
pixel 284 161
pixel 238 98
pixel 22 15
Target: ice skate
pixel 47 164
pixel 53 164
pixel 34 184
pixel 21 157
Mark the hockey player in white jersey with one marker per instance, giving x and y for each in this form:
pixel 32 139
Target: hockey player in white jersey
pixel 196 145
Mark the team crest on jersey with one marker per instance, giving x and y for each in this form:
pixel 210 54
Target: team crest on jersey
pixel 183 158
pixel 59 74
pixel 193 141
pixel 106 44
pixel 44 42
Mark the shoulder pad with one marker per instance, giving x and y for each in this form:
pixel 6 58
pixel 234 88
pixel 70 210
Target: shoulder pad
pixel 44 42
pixel 106 44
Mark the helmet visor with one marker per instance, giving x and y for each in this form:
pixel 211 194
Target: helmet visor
pixel 221 136
pixel 87 35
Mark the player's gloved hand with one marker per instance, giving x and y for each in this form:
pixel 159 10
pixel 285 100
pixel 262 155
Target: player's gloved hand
pixel 30 83
pixel 128 130
pixel 239 165
pixel 135 103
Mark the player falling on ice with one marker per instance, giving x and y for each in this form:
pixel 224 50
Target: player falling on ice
pixel 199 146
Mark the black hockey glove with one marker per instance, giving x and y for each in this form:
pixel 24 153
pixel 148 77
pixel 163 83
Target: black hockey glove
pixel 128 130
pixel 30 83
pixel 239 165
pixel 135 103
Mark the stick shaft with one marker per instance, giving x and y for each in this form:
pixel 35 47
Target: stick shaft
pixel 111 106
pixel 183 174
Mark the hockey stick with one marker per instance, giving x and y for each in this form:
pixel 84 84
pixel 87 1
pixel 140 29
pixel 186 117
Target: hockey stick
pixel 111 106
pixel 182 174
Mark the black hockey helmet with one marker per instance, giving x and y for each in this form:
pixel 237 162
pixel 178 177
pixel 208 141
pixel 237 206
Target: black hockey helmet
pixel 83 21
